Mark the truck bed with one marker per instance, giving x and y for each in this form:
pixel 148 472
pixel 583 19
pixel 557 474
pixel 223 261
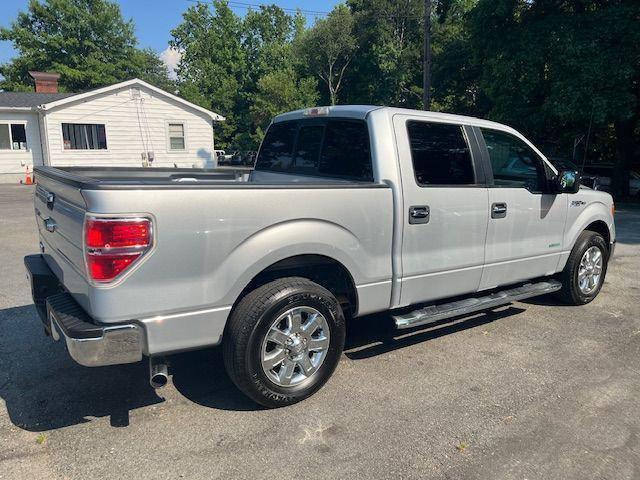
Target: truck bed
pixel 212 236
pixel 113 178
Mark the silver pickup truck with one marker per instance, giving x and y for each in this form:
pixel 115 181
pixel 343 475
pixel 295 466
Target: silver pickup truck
pixel 351 210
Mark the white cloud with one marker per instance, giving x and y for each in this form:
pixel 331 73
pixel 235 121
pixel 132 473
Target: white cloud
pixel 170 56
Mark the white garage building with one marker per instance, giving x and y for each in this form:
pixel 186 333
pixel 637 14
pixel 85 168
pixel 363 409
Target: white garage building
pixel 131 124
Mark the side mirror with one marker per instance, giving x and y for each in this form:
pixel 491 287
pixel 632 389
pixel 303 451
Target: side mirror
pixel 567 181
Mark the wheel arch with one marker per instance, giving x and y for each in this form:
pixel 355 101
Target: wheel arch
pixel 321 269
pixel 600 226
pixel 596 218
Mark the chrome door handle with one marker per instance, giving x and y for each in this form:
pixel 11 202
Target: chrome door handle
pixel 499 210
pixel 419 214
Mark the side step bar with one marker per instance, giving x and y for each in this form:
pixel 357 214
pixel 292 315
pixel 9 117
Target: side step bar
pixel 435 313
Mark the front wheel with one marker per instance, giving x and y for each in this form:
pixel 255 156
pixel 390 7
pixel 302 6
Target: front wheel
pixel 584 273
pixel 283 341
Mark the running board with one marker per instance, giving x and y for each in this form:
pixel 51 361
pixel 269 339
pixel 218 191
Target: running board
pixel 435 313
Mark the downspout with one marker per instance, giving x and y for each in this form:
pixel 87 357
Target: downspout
pixel 44 135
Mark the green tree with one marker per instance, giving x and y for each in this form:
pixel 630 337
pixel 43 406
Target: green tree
pixel 212 69
pixel 274 83
pixel 328 48
pixel 387 69
pixel 558 70
pixel 280 91
pixel 86 41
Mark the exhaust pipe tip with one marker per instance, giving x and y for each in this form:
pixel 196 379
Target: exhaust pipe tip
pixel 158 380
pixel 158 373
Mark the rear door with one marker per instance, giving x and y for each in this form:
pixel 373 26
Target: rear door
pixel 526 225
pixel 445 209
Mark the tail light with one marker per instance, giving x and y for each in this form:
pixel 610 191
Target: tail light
pixel 114 245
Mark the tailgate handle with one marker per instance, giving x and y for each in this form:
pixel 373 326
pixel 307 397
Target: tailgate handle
pixel 50 224
pixel 51 197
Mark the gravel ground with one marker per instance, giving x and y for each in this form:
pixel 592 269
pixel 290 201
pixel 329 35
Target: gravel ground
pixel 534 390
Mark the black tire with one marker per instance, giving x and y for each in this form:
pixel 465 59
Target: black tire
pixel 248 325
pixel 570 292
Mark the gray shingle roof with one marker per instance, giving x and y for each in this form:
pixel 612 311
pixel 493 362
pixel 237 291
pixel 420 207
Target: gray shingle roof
pixel 29 99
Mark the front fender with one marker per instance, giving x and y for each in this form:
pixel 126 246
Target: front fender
pixel 593 212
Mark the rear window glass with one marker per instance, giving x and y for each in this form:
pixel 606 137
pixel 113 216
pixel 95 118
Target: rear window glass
pixel 440 154
pixel 337 148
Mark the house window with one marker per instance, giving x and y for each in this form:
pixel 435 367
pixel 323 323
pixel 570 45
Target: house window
pixel 176 136
pixel 13 136
pixel 84 136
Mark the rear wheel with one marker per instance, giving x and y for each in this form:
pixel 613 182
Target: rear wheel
pixel 283 341
pixel 584 273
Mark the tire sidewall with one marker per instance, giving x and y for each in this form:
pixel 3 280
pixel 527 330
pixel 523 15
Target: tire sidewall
pixel 588 241
pixel 290 298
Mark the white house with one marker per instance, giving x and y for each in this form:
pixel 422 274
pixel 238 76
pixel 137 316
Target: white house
pixel 131 123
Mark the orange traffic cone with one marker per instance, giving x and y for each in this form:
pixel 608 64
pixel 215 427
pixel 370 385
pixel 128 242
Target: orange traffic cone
pixel 28 180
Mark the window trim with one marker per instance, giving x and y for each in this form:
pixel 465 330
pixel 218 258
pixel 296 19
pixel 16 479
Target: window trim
pixel 9 123
pixel 79 151
pixel 486 159
pixel 322 121
pixel 480 179
pixel 167 123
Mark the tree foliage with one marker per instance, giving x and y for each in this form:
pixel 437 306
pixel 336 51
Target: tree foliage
pixel 327 49
pixel 564 72
pixel 86 41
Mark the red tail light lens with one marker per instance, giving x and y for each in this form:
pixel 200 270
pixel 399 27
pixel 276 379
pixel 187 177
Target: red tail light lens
pixel 110 233
pixel 107 267
pixel 112 245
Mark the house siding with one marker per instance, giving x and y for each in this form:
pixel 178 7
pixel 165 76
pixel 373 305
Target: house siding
pixel 13 163
pixel 136 120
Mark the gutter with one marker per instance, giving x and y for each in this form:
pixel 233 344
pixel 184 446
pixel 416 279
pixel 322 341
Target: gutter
pixel 17 109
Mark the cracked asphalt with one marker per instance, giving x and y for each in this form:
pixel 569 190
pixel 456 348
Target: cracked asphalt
pixel 534 390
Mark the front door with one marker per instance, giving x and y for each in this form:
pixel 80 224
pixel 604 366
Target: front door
pixel 445 209
pixel 524 236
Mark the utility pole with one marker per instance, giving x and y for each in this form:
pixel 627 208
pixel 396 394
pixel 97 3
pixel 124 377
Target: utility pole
pixel 426 57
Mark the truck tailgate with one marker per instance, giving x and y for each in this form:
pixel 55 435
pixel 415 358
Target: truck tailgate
pixel 60 210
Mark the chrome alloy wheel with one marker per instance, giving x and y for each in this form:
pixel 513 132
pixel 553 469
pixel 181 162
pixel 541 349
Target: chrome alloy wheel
pixel 590 270
pixel 295 346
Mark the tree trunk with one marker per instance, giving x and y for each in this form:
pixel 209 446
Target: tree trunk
pixel 624 154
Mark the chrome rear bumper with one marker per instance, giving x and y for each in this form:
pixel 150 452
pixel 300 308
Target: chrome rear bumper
pixel 89 343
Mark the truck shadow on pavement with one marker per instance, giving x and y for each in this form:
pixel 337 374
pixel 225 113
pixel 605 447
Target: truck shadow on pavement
pixel 376 334
pixel 44 389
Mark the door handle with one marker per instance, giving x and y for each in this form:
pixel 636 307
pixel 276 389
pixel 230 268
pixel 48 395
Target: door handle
pixel 499 210
pixel 419 214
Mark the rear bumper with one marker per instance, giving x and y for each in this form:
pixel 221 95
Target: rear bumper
pixel 89 343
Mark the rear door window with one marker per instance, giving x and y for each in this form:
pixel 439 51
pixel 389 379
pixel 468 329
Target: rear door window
pixel 440 154
pixel 336 148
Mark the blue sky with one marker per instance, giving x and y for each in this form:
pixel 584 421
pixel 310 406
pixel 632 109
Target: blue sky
pixel 155 19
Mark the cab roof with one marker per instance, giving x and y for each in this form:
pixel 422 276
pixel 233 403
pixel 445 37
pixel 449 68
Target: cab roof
pixel 362 111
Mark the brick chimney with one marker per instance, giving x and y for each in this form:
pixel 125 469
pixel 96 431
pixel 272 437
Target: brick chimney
pixel 46 82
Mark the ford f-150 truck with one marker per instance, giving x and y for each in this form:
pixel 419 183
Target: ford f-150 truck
pixel 350 210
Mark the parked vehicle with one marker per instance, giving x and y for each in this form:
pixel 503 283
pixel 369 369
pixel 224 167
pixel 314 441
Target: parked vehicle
pixel 604 174
pixel 238 158
pixel 350 210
